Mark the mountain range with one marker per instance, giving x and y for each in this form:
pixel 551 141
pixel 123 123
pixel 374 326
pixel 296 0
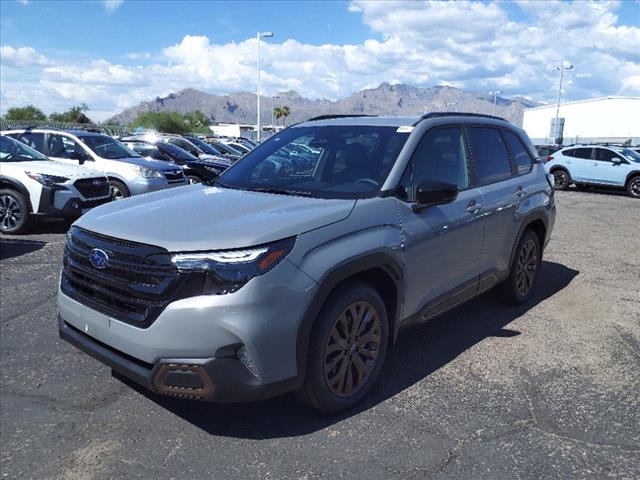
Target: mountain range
pixel 386 99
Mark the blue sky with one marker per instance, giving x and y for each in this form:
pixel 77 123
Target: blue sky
pixel 114 54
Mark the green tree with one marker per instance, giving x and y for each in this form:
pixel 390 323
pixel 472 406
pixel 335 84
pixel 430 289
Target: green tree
pixel 286 111
pixel 197 121
pixel 22 114
pixel 277 113
pixel 73 115
pixel 165 122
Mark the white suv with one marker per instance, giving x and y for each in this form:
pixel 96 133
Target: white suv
pixel 128 172
pixel 32 185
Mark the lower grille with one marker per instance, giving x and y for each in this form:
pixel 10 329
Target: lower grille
pixel 131 288
pixel 92 187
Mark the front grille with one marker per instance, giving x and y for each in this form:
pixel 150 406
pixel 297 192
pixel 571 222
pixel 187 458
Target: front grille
pixel 174 175
pixel 133 288
pixel 92 187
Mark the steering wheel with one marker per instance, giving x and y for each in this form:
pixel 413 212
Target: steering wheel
pixel 367 180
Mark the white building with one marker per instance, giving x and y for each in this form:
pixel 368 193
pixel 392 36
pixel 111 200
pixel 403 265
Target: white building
pixel 607 119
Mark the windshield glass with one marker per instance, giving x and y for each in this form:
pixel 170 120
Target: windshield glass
pixel 630 154
pixel 176 152
pixel 14 151
pixel 204 146
pixel 185 145
pixel 107 147
pixel 338 162
pixel 227 149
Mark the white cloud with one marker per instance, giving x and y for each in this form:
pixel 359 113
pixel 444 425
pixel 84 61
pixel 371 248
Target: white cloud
pixel 472 45
pixel 112 5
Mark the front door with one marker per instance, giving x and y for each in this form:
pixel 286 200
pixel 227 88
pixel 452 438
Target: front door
pixel 605 170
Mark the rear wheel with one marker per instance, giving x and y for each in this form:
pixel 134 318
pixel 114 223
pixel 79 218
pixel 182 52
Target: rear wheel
pixel 518 287
pixel 14 212
pixel 347 349
pixel 118 190
pixel 561 179
pixel 633 187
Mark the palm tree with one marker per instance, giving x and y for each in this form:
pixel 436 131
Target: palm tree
pixel 285 113
pixel 277 113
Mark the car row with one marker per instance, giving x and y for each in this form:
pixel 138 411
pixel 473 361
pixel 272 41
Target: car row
pixel 586 165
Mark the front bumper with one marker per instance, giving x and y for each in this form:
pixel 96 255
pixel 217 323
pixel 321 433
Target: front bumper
pixel 220 379
pixel 61 202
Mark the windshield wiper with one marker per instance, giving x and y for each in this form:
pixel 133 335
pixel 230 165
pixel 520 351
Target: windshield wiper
pixel 281 191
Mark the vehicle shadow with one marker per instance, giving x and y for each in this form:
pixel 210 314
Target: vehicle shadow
pixel 419 352
pixel 14 248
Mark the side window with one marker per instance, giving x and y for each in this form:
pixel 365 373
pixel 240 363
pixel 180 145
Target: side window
pixel 584 153
pixel 34 140
pixel 439 157
pixel 605 155
pixel 489 155
pixel 61 146
pixel 519 152
pixel 569 153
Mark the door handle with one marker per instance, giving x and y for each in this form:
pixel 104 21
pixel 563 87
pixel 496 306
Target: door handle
pixel 521 192
pixel 474 207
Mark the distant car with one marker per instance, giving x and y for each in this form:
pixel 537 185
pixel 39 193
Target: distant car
pixel 211 149
pixel 596 165
pixel 545 151
pixel 196 170
pixel 32 186
pixel 129 173
pixel 226 148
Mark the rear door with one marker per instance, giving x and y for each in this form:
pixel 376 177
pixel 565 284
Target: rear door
pixel 442 243
pixel 605 170
pixel 580 165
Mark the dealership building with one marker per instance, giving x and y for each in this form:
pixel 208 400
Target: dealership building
pixel 597 120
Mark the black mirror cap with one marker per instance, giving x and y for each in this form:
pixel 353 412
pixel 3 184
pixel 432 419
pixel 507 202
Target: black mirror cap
pixel 429 194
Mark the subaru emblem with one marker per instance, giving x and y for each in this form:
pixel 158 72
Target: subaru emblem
pixel 97 183
pixel 99 258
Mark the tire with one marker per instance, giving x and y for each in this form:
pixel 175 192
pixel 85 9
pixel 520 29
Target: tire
pixel 15 216
pixel 633 187
pixel 519 286
pixel 342 368
pixel 194 179
pixel 561 179
pixel 118 190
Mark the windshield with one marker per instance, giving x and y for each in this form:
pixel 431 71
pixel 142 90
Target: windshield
pixel 339 162
pixel 107 147
pixel 185 145
pixel 176 152
pixel 14 151
pixel 204 146
pixel 630 154
pixel 227 149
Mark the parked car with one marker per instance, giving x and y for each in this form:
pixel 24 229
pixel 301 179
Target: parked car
pixel 212 150
pixel 596 165
pixel 196 170
pixel 545 151
pixel 129 173
pixel 226 149
pixel 32 186
pixel 275 281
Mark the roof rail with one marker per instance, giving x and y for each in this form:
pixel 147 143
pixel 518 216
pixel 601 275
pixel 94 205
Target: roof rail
pixel 329 117
pixel 459 114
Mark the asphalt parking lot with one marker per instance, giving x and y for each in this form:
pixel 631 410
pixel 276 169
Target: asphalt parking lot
pixel 547 390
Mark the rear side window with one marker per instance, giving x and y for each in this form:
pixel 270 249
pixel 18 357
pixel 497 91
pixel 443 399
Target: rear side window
pixel 569 153
pixel 584 153
pixel 489 155
pixel 519 152
pixel 34 140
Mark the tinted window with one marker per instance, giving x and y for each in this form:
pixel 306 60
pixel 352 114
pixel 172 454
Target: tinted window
pixel 13 151
pixel 582 153
pixel 176 152
pixel 605 155
pixel 519 152
pixel 439 157
pixel 34 140
pixel 107 147
pixel 185 145
pixel 60 146
pixel 489 155
pixel 569 153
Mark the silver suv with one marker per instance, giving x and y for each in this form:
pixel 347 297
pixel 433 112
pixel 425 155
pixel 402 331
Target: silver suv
pixel 297 276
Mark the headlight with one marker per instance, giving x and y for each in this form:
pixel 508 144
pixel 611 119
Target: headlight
pixel 145 172
pixel 47 180
pixel 226 271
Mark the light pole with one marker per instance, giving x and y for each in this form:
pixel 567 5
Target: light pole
pixel 260 35
pixel 495 94
pixel 560 68
pixel 273 127
pixel 451 105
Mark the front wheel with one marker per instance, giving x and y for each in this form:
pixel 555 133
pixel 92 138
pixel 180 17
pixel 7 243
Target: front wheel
pixel 518 287
pixel 561 180
pixel 347 350
pixel 14 212
pixel 118 190
pixel 633 187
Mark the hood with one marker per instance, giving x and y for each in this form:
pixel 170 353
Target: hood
pixel 51 167
pixel 146 163
pixel 197 217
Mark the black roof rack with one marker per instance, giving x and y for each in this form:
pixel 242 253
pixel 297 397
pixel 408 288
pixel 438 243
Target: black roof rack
pixel 459 114
pixel 329 117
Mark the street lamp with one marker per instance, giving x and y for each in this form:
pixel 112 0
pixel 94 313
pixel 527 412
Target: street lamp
pixel 451 105
pixel 560 68
pixel 260 35
pixel 273 97
pixel 495 97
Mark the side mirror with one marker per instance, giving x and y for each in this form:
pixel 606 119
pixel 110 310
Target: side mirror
pixel 79 156
pixel 429 194
pixel 616 160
